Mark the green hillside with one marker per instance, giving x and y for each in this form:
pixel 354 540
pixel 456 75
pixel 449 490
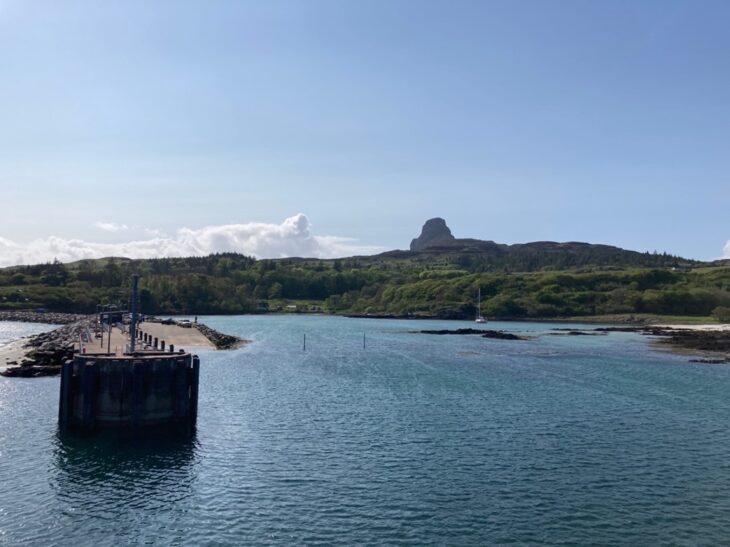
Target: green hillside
pixel 539 281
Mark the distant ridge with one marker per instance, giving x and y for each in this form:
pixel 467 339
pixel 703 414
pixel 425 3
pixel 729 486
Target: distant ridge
pixel 436 238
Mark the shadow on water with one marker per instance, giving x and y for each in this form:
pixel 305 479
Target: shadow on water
pixel 94 473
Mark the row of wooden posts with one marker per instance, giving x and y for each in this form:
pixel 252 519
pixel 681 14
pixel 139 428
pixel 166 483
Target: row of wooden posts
pixel 154 342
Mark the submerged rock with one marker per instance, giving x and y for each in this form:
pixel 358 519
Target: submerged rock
pixel 497 334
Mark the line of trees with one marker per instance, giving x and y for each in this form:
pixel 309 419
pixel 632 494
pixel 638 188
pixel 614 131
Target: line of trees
pixel 231 283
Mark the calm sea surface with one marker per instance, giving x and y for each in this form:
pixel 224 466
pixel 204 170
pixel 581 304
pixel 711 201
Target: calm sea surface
pixel 414 440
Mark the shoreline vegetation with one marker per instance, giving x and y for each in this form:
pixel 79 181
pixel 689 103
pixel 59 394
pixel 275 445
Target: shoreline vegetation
pixel 43 354
pixel 440 277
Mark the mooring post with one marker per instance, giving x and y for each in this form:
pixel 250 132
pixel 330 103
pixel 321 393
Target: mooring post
pixel 162 345
pixel 363 340
pixel 194 380
pixel 304 345
pixel 155 344
pixel 172 348
pixel 133 319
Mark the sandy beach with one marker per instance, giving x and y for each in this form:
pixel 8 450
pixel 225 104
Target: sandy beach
pixel 709 327
pixel 13 352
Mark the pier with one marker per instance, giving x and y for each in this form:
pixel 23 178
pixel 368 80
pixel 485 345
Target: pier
pixel 133 378
pixel 134 390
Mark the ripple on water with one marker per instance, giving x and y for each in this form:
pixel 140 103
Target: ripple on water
pixel 417 440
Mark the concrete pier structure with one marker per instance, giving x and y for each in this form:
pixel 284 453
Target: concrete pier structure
pixel 135 390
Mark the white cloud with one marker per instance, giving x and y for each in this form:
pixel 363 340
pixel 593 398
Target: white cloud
pixel 111 226
pixel 153 232
pixel 726 250
pixel 290 238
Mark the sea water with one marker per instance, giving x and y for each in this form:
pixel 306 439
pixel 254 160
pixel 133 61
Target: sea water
pixel 413 439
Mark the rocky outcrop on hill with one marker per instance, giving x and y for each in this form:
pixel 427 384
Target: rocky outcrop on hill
pixel 434 233
pixel 436 239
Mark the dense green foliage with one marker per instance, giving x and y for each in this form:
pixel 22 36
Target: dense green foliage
pixel 429 284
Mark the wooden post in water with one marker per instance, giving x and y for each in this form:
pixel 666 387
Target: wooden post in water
pixel 194 381
pixel 304 346
pixel 363 340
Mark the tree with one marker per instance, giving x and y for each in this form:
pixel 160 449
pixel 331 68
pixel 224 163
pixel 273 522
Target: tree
pixel 722 314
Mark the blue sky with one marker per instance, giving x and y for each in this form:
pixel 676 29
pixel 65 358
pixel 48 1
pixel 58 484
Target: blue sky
pixel 124 121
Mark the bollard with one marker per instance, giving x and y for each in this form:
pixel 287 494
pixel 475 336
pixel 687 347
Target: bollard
pixel 162 345
pixel 155 345
pixel 172 348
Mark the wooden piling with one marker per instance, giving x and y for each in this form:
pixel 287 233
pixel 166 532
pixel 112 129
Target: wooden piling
pixel 194 381
pixel 88 392
pixel 65 401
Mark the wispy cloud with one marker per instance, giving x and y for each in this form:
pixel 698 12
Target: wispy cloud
pixel 293 237
pixel 726 250
pixel 111 226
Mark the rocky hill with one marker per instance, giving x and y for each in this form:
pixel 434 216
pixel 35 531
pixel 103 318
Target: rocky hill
pixel 437 241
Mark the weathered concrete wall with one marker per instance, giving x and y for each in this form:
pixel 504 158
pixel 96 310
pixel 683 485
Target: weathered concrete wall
pixel 99 391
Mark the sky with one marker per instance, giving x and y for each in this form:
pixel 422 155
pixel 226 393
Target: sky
pixel 333 128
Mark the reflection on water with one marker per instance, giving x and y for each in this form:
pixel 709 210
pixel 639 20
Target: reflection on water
pixel 93 472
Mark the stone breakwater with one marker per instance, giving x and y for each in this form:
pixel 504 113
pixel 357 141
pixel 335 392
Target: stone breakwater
pixel 51 318
pixel 217 338
pixel 49 350
pixel 220 340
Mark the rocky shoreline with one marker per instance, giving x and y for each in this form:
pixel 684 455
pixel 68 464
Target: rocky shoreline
pixel 713 345
pixel 706 346
pixel 49 350
pixel 51 318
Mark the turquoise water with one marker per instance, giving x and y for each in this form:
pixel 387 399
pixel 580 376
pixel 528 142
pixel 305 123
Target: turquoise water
pixel 415 440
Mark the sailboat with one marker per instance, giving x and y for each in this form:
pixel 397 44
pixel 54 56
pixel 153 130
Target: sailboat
pixel 479 318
